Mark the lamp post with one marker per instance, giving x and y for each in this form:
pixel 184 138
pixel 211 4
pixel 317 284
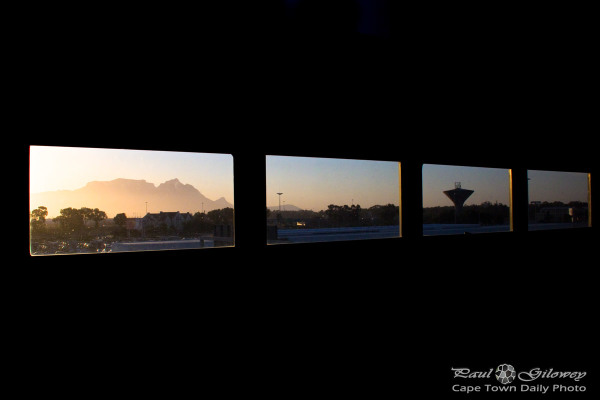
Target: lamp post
pixel 279 201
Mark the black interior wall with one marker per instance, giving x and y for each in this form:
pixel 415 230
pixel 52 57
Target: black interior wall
pixel 354 316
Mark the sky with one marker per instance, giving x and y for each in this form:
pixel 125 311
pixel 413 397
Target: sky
pixel 489 184
pixel 70 168
pixel 557 186
pixel 492 184
pixel 314 183
pixel 308 183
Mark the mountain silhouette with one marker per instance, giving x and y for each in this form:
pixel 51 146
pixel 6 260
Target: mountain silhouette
pixel 286 207
pixel 129 196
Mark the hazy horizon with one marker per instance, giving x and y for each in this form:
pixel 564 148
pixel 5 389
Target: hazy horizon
pixel 314 183
pixel 306 182
pixel 68 168
pixel 54 169
pixel 155 184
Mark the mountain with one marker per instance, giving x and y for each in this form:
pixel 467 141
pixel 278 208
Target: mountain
pixel 287 207
pixel 129 196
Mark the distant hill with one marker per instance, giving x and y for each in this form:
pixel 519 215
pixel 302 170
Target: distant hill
pixel 287 207
pixel 128 196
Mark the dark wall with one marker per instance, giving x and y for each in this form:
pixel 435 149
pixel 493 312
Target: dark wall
pixel 360 316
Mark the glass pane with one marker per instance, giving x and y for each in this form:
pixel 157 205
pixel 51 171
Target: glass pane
pixel 322 200
pixel 557 200
pixel 459 200
pixel 88 200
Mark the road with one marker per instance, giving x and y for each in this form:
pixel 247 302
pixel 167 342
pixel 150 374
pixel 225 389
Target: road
pixel 335 234
pixel 379 232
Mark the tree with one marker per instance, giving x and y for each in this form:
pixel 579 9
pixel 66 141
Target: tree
pixel 385 215
pixel 38 219
pixel 343 215
pixel 120 220
pixel 223 216
pixel 70 219
pixel 198 224
pixel 40 213
pixel 92 215
pixel 86 213
pixel 96 215
pixel 73 220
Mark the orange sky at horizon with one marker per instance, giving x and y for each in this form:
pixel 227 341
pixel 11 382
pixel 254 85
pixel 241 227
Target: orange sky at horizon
pixel 71 168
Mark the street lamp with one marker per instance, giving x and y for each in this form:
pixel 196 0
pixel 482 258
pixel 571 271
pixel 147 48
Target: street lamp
pixel 279 201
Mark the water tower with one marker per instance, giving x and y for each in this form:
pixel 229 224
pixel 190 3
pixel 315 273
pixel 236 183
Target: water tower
pixel 458 195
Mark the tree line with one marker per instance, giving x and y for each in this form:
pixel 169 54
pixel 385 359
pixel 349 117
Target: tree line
pixel 337 216
pixel 497 214
pixel 70 219
pixel 486 213
pixel 202 223
pixel 74 223
pixel 538 211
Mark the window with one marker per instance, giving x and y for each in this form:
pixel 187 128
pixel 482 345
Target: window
pixel 557 200
pixel 321 199
pixel 458 200
pixel 91 200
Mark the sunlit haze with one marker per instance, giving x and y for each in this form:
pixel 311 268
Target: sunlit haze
pixel 70 168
